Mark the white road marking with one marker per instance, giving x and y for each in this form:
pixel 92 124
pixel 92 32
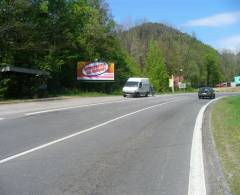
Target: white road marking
pixel 196 184
pixel 2 119
pixel 71 107
pixel 80 132
pixel 80 106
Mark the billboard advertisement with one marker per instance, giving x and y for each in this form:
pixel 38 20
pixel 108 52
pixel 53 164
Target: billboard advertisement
pixel 237 80
pixel 95 71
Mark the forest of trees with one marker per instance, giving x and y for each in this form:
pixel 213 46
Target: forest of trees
pixel 53 35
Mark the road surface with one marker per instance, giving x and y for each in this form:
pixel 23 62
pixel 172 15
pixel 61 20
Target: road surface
pixel 98 146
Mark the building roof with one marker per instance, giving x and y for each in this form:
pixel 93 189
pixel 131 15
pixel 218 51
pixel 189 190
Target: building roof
pixel 24 71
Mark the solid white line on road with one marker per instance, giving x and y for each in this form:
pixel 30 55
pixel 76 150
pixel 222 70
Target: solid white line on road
pixel 196 184
pixel 2 119
pixel 81 132
pixel 70 107
pixel 80 106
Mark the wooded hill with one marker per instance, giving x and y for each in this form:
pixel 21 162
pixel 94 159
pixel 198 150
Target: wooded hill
pixel 54 35
pixel 230 64
pixel 200 63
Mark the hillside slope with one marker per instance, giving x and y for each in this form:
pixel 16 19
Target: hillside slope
pixel 180 51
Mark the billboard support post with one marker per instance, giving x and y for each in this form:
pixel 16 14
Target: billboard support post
pixel 171 83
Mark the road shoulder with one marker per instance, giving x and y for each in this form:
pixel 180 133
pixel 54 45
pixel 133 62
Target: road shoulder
pixel 214 177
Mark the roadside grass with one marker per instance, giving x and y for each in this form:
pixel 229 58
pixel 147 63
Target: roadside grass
pixel 86 94
pixel 226 130
pixel 60 95
pixel 70 93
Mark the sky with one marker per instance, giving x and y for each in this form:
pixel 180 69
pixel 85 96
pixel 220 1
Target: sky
pixel 214 22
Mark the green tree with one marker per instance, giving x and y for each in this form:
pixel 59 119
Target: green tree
pixel 54 35
pixel 155 68
pixel 213 73
pixel 230 64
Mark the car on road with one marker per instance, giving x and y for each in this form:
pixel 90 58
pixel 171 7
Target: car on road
pixel 206 92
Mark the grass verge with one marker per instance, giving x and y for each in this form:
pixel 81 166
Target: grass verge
pixel 63 95
pixel 76 92
pixel 226 131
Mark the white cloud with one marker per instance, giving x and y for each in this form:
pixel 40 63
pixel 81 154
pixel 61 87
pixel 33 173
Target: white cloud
pixel 229 43
pixel 218 20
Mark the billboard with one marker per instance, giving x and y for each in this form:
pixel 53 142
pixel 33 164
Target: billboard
pixel 95 71
pixel 237 80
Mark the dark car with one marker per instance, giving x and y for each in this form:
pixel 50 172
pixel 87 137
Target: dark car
pixel 206 92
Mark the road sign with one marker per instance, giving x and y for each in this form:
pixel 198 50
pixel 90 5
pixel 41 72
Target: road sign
pixel 182 85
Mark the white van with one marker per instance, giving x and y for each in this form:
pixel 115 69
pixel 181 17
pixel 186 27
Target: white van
pixel 136 87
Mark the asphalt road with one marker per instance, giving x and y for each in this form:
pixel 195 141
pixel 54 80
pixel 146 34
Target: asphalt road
pixel 134 146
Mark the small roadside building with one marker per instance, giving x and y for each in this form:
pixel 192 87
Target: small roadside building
pixel 237 80
pixel 19 82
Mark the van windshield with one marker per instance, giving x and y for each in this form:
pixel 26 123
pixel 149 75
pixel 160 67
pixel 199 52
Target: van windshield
pixel 131 84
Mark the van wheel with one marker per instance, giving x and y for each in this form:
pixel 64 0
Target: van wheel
pixel 136 95
pixel 146 95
